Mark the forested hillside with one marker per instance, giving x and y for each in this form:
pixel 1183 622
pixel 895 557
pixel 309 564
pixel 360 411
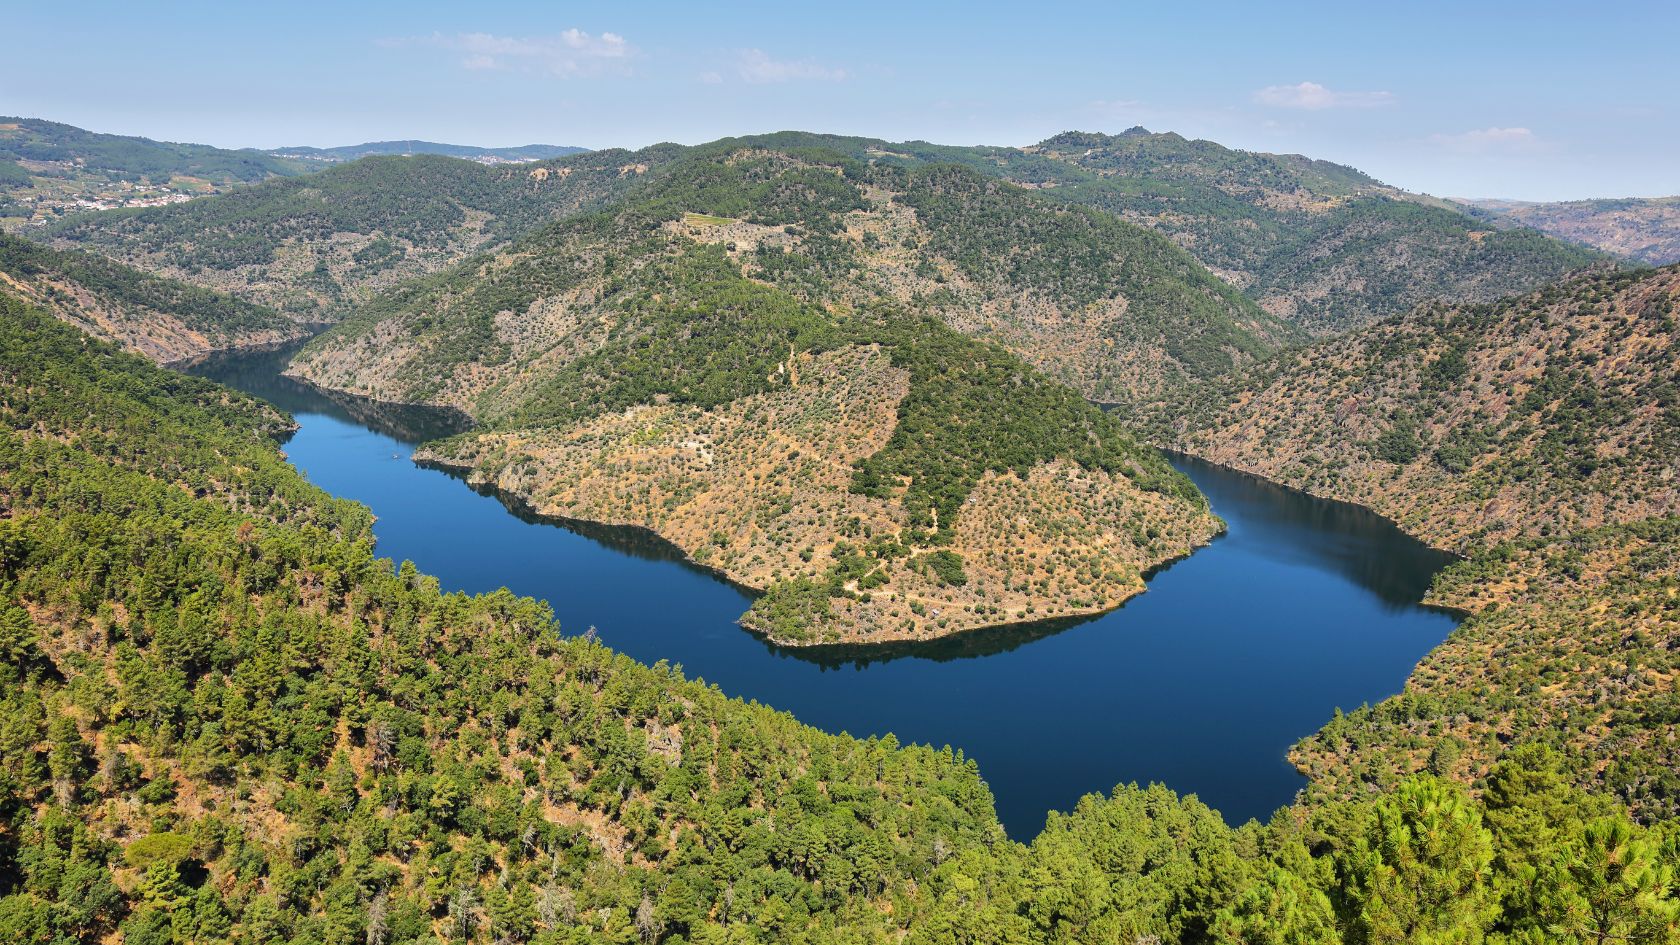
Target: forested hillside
pixel 1571 644
pixel 1317 244
pixel 747 356
pixel 49 170
pixel 34 141
pixel 321 245
pixel 164 319
pixel 223 719
pixel 1108 307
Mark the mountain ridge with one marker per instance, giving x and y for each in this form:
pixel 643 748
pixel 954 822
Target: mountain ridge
pixel 668 342
pixel 1372 250
pixel 405 148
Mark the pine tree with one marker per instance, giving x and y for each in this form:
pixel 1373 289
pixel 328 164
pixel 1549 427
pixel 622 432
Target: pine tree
pixel 1421 875
pixel 1619 890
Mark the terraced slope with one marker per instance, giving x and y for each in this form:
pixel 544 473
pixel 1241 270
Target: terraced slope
pixel 164 319
pixel 745 357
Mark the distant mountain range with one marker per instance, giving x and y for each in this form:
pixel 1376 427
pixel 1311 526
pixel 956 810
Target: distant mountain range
pixel 350 152
pixel 1643 229
pixel 31 146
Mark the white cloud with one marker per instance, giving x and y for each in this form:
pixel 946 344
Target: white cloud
pixel 1312 96
pixel 568 53
pixel 755 65
pixel 1488 139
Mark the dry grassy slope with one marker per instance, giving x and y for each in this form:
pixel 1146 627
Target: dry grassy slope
pixel 758 489
pixel 159 335
pixel 380 362
pixel 1542 414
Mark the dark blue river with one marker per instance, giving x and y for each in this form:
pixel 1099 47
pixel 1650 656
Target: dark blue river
pixel 1201 684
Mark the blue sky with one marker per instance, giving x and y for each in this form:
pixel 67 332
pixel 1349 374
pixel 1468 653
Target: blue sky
pixel 1531 100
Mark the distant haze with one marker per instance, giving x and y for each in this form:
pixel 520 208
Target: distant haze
pixel 350 152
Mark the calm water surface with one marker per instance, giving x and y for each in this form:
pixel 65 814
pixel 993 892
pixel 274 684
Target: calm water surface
pixel 1202 683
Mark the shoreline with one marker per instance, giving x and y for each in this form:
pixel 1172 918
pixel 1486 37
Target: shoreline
pixel 522 507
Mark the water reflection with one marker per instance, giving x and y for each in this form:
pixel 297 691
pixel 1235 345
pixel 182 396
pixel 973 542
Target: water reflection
pixel 259 373
pixel 1363 546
